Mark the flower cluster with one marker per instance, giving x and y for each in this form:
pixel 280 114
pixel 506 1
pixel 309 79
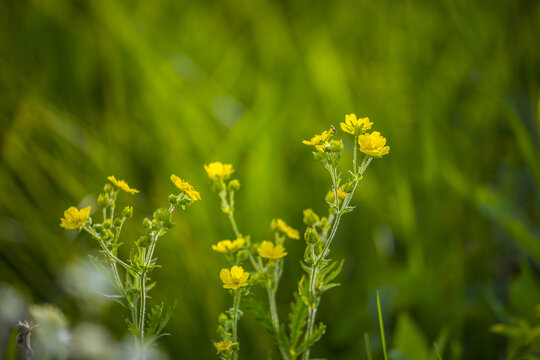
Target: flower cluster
pixel 373 144
pixel 130 277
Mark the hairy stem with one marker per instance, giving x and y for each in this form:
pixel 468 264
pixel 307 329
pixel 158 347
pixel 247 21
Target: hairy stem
pixel 315 298
pixel 236 306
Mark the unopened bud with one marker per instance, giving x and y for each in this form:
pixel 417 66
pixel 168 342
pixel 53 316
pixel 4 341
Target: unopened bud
pixel 222 319
pixel 336 145
pixel 234 185
pixel 117 222
pixel 311 236
pixel 147 224
pixel 348 187
pixel 107 224
pixel 318 156
pixel 128 211
pixel 103 199
pixel 107 188
pixel 242 255
pixel 310 218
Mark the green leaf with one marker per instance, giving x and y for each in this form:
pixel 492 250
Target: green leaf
pixel 303 291
pixel 329 286
pixel 261 315
pixel 297 320
pixel 333 274
pixel 317 334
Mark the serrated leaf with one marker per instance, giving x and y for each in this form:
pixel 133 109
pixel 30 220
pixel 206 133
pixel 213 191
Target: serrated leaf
pixel 305 267
pixel 316 335
pixel 297 320
pixel 329 286
pixel 333 274
pixel 303 291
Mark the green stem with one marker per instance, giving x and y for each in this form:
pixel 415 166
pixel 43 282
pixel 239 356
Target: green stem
pixel 271 290
pixel 355 151
pixel 107 251
pixel 142 313
pixel 315 299
pixel 236 306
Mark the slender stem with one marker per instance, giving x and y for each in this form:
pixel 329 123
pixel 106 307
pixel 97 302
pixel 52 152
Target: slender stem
pixel 355 151
pixel 236 306
pixel 271 290
pixel 107 251
pixel 143 312
pixel 312 311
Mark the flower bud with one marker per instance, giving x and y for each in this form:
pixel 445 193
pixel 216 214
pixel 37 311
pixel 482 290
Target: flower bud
pixel 145 241
pixel 311 236
pixel 128 211
pixel 222 319
pixel 107 188
pixel 318 156
pixel 147 224
pixel 234 185
pixel 242 255
pixel 103 199
pixel 310 218
pixel 117 222
pixel 330 197
pixel 220 330
pixel 98 228
pixel 336 145
pixel 348 187
pixel 107 224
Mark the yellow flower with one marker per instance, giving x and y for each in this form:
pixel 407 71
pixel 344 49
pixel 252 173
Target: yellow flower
pixel 330 197
pixel 268 250
pixel 186 187
pixel 280 225
pixel 373 144
pixel 75 218
pixel 223 346
pixel 317 139
pixel 234 278
pixel 218 171
pixel 122 185
pixel 228 246
pixel 352 123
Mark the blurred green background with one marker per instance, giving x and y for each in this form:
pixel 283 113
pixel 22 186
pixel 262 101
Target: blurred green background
pixel 446 226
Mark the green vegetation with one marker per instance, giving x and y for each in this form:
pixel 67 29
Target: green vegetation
pixel 446 226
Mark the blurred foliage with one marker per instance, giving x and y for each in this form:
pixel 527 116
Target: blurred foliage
pixel 448 223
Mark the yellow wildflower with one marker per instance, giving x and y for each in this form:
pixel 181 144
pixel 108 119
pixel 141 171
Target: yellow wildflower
pixel 75 218
pixel 186 187
pixel 218 171
pixel 317 139
pixel 351 124
pixel 330 196
pixel 268 250
pixel 373 144
pixel 121 184
pixel 234 278
pixel 228 246
pixel 280 225
pixel 223 346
